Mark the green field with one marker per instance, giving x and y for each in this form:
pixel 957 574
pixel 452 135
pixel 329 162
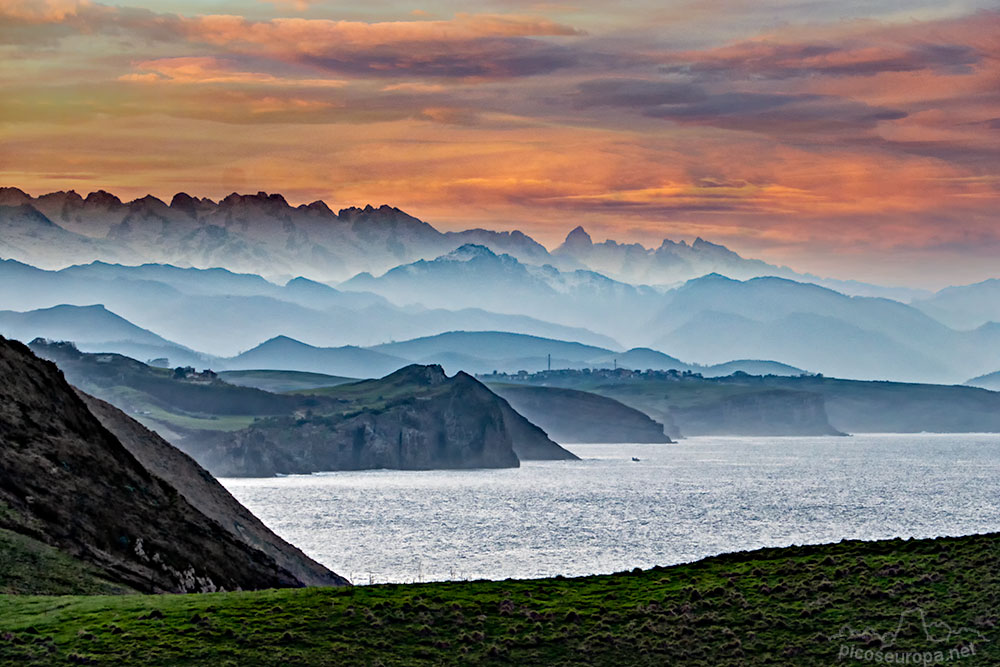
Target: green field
pixel 817 605
pixel 282 381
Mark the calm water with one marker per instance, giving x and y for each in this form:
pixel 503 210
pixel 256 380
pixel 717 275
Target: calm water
pixel 608 513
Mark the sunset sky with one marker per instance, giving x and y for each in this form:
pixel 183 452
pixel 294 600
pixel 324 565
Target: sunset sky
pixel 850 138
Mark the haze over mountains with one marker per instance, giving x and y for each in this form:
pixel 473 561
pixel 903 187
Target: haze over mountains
pixel 262 234
pixel 261 301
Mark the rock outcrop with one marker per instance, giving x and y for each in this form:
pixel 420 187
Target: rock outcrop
pixel 68 482
pixel 414 419
pixel 774 412
pixel 569 415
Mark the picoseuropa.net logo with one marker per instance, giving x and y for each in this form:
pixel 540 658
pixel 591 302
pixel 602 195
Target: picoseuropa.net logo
pixel 915 641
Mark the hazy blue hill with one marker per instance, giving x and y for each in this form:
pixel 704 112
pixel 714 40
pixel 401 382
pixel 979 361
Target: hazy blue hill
pixel 438 320
pixel 712 319
pixel 491 345
pixel 773 298
pixel 966 306
pixel 315 294
pixel 225 313
pixel 989 381
pixel 188 280
pixel 96 329
pixel 805 340
pixel 453 277
pixel 82 324
pixel 284 353
pixel 474 276
pixel 642 358
pixel 750 367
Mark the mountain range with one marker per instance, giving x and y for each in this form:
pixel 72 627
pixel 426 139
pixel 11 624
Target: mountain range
pixel 825 332
pixel 262 233
pixel 710 319
pixel 244 309
pixel 271 272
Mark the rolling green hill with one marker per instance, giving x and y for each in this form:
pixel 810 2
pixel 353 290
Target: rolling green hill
pixel 282 381
pixel 812 605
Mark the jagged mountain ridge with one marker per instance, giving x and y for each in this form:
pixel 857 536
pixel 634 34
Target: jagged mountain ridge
pixel 262 233
pixel 674 262
pixel 256 233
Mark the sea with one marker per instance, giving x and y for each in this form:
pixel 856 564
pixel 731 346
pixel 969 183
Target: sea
pixel 625 506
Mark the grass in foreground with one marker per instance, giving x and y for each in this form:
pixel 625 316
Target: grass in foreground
pixel 845 603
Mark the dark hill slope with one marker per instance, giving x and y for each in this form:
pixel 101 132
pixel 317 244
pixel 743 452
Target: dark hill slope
pixel 568 415
pixel 205 493
pixel 529 442
pixel 67 482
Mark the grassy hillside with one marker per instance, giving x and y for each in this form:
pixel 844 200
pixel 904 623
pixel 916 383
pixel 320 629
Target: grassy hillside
pixel 282 381
pixel 163 399
pixel 801 605
pixel 31 567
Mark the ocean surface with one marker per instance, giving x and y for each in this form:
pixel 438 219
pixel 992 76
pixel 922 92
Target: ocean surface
pixel 608 513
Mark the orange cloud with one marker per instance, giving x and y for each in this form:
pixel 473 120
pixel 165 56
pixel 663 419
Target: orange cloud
pixel 209 69
pixel 808 142
pixel 41 11
pixel 320 36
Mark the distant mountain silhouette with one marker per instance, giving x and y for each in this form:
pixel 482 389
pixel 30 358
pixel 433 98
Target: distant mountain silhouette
pixel 674 262
pixel 475 276
pixel 262 233
pixel 222 313
pixel 284 353
pixel 714 318
pixel 989 381
pixel 965 307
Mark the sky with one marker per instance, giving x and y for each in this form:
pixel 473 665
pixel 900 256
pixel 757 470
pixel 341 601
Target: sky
pixel 849 138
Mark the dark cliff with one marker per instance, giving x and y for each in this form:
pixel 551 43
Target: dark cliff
pixel 770 412
pixel 67 482
pixel 414 419
pixel 206 494
pixel 569 415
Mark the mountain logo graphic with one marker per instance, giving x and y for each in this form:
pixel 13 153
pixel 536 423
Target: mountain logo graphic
pixel 935 632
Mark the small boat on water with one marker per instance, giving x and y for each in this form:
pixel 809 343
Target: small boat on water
pixel 636 459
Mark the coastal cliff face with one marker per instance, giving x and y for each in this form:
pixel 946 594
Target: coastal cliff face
pixel 771 412
pixel 414 419
pixel 67 482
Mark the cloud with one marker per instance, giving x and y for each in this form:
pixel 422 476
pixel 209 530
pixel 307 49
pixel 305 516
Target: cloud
pixel 636 93
pixel 468 45
pixel 212 70
pixel 829 133
pixel 777 113
pixel 767 60
pixel 41 11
